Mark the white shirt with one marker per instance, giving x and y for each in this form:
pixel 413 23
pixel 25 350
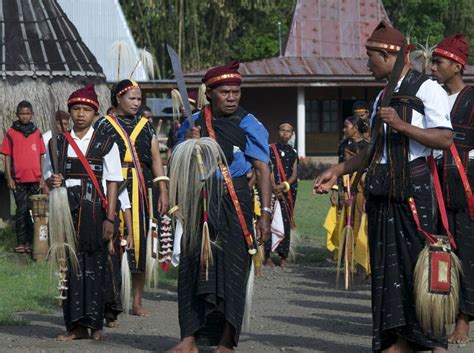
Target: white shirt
pixel 436 106
pixel 46 137
pixel 112 165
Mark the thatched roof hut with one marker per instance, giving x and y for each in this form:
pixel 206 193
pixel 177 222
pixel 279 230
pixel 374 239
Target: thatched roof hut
pixel 41 52
pixel 43 60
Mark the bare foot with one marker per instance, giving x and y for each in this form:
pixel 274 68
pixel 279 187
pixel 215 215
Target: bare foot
pixel 187 345
pixel 111 323
pixel 98 335
pixel 283 263
pixel 401 346
pixel 77 333
pixel 460 334
pixel 439 350
pixel 223 349
pixel 269 262
pixel 139 311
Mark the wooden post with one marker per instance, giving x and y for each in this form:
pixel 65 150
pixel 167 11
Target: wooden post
pixel 301 124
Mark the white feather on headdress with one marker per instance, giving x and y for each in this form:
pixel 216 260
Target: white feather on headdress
pixel 121 55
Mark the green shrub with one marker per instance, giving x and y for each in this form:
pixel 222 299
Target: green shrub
pixel 308 170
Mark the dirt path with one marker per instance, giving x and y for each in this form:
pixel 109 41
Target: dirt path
pixel 296 310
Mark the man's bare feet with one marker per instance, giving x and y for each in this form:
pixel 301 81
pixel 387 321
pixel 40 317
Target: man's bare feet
pixel 460 334
pixel 77 333
pixel 401 346
pixel 223 349
pixel 98 335
pixel 111 323
pixel 138 310
pixel 284 263
pixel 439 350
pixel 269 262
pixel 187 345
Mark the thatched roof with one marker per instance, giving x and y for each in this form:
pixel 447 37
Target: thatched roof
pixel 41 51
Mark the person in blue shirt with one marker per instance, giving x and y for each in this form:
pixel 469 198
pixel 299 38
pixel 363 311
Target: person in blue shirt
pixel 211 309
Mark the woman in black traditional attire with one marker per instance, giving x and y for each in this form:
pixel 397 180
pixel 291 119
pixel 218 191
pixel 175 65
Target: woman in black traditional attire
pixel 141 165
pixel 211 309
pixel 416 121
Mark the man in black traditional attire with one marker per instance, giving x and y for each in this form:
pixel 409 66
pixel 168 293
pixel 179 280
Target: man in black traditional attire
pixel 284 167
pixel 84 303
pixel 398 170
pixel 211 309
pixel 449 59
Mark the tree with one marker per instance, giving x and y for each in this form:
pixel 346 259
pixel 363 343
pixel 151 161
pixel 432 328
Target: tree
pixel 432 20
pixel 207 33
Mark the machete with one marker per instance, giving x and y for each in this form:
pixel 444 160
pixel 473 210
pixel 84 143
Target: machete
pixel 178 74
pixel 385 102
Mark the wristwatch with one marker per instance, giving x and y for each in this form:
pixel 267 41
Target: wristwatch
pixel 268 210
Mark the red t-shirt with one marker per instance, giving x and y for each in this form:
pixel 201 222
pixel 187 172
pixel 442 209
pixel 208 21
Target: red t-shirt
pixel 25 153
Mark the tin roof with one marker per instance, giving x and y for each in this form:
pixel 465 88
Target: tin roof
pixel 100 29
pixel 333 28
pixel 295 71
pixel 38 40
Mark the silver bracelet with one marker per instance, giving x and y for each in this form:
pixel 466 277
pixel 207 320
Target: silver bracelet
pixel 268 210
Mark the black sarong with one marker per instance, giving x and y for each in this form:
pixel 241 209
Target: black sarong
pixel 86 290
pixel 462 227
pixel 395 244
pixel 85 295
pixel 204 306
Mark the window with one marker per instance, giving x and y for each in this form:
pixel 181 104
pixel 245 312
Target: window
pixel 322 116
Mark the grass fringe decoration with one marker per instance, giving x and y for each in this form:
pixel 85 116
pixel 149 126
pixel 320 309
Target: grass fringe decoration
pixel 125 290
pixel 186 185
pixel 249 296
pixel 61 231
pixel 434 311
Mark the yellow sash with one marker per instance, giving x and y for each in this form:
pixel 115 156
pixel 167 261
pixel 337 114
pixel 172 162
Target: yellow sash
pixel 135 192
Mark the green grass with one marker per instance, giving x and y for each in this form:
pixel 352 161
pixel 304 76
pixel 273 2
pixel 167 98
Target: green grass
pixel 7 240
pixel 168 279
pixel 310 211
pixel 25 287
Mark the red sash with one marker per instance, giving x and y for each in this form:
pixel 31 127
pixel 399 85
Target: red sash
pixel 441 206
pixel 439 257
pixel 282 173
pixel 87 167
pixel 465 182
pixel 230 187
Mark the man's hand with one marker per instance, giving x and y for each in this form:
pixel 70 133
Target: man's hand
pixel 11 184
pixel 107 230
pixel 194 133
pixel 391 118
pixel 263 228
pixel 278 188
pixel 333 198
pixel 163 203
pixel 42 184
pixel 324 182
pixel 130 242
pixel 56 180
